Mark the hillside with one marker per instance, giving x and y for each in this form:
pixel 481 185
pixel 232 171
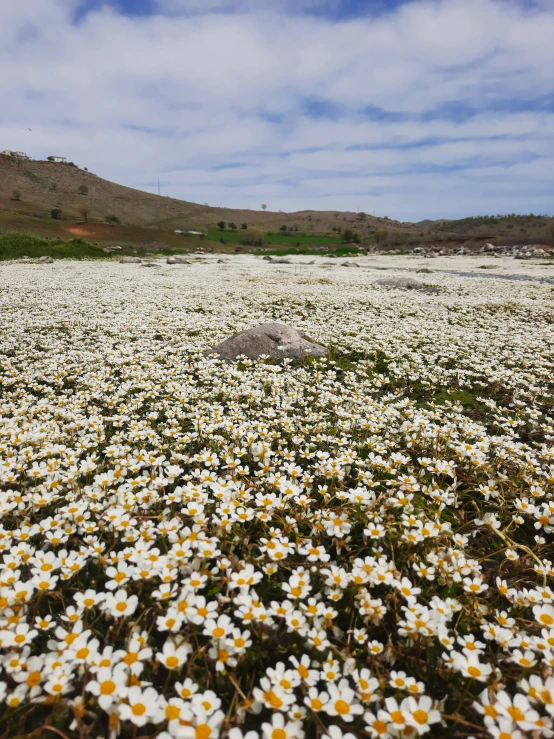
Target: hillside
pixel 146 218
pixel 513 228
pixel 44 185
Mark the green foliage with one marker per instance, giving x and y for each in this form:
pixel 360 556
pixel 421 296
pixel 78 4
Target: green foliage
pixel 233 226
pixel 112 220
pixel 15 245
pixel 244 226
pixel 16 195
pixel 82 190
pixel 221 225
pixel 56 214
pixel 278 238
pixel 350 237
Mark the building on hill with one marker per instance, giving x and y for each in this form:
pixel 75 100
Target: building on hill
pixel 16 154
pixel 58 160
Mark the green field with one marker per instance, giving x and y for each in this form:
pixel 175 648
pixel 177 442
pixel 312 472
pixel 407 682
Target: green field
pixel 275 238
pixel 17 245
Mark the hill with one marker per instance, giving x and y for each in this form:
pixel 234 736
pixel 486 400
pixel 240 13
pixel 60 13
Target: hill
pixel 46 185
pixel 151 220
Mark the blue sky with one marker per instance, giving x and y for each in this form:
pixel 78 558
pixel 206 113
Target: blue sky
pixel 414 109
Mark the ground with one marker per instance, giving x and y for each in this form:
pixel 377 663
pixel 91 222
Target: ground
pixel 359 546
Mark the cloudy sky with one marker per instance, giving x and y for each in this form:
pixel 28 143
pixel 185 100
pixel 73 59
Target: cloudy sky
pixel 407 108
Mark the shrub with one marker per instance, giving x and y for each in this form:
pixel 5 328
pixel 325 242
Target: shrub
pixel 112 220
pixel 348 236
pixel 233 226
pixel 16 195
pixel 221 225
pixel 253 237
pixel 56 214
pixel 244 226
pixel 82 190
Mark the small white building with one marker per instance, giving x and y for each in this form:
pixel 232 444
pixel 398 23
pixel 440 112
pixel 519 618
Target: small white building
pixel 58 160
pixel 17 154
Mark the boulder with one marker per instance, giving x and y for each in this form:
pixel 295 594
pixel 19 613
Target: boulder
pixel 178 259
pixel 150 264
pixel 401 283
pixel 350 264
pixel 170 260
pixel 275 339
pixel 45 260
pixel 130 260
pixel 425 271
pixel 279 260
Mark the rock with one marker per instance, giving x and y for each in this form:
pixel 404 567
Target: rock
pixel 130 260
pixel 275 339
pixel 221 261
pixel 425 271
pixel 279 260
pixel 401 283
pixel 45 260
pixel 350 264
pixel 150 264
pixel 180 259
pixel 266 259
pixel 170 260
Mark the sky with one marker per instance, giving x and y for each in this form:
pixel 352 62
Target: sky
pixel 410 109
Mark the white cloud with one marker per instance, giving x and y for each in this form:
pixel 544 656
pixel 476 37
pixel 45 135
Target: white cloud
pixel 202 88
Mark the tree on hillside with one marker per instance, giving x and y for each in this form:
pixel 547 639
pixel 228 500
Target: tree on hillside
pixel 221 225
pixel 16 195
pixel 233 226
pixel 264 206
pixel 283 229
pixel 244 226
pixel 112 220
pixel 83 210
pixel 362 216
pixel 56 214
pixel 82 190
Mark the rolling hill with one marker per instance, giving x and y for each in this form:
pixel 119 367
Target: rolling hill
pixel 30 190
pixel 45 185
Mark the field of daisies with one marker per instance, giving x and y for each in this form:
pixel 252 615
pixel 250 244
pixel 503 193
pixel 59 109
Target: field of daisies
pixel 357 546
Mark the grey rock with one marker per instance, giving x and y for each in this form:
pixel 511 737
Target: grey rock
pixel 170 260
pixel 45 260
pixel 425 271
pixel 350 264
pixel 130 260
pixel 150 264
pixel 279 260
pixel 275 339
pixel 401 283
pixel 221 261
